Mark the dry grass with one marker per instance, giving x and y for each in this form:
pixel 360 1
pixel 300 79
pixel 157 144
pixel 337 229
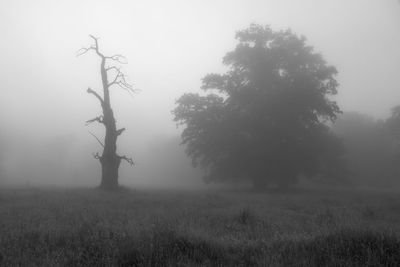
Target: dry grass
pixel 87 227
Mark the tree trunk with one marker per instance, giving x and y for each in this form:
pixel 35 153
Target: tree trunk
pixel 109 161
pixel 109 172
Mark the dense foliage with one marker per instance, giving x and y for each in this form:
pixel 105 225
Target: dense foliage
pixel 264 119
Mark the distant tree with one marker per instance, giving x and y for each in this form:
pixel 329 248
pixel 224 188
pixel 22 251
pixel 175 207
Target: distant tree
pixel 393 125
pixel 370 149
pixel 109 159
pixel 3 148
pixel 265 119
pixel 393 122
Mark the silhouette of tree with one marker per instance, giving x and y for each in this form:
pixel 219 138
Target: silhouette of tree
pixel 109 159
pixel 265 118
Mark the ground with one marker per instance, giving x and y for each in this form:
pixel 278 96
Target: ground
pixel 89 227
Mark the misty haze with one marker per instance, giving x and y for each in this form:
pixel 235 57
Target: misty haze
pixel 200 133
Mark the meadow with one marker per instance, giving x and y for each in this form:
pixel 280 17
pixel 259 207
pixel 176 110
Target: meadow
pixel 89 227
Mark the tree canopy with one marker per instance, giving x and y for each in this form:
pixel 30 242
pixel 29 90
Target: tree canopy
pixel 265 119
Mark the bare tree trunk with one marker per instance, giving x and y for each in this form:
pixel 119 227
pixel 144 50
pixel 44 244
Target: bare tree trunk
pixel 109 172
pixel 109 160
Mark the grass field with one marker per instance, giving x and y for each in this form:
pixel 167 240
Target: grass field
pixel 88 227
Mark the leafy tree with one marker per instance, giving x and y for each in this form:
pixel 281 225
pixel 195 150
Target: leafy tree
pixel 265 118
pixel 109 159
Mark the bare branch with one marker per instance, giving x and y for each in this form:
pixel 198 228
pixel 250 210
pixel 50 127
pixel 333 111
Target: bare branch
pixel 95 39
pixel 97 46
pixel 129 160
pixel 119 58
pixel 94 47
pixel 112 68
pixel 124 84
pixel 127 87
pixel 90 91
pixel 120 80
pixel 98 140
pixel 119 132
pixel 84 50
pixel 98 119
pixel 96 156
pixel 118 75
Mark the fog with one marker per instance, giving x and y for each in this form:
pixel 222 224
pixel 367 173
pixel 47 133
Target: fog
pixel 170 46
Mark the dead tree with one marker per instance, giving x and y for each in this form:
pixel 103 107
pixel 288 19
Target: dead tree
pixel 111 76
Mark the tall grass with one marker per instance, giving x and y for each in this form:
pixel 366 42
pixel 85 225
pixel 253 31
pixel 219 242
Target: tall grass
pixel 86 227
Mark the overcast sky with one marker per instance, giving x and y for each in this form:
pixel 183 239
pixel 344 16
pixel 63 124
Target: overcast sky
pixel 170 46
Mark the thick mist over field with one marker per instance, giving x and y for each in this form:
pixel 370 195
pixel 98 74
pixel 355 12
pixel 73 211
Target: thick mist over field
pixel 200 133
pixel 170 46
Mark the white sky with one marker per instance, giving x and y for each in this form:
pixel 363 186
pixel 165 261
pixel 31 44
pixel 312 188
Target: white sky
pixel 170 46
